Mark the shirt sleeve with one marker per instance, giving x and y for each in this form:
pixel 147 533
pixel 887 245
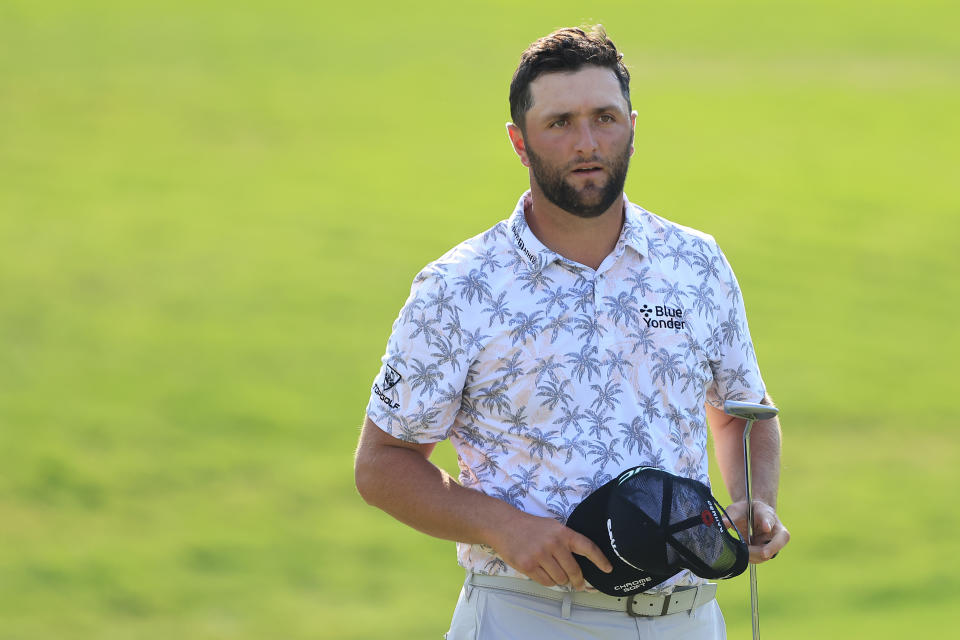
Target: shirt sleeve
pixel 736 374
pixel 416 395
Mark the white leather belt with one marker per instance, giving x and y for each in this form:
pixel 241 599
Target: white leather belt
pixel 642 604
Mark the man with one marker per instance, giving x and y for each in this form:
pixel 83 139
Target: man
pixel 580 337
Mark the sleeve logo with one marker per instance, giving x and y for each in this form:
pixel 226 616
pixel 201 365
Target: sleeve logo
pixel 390 378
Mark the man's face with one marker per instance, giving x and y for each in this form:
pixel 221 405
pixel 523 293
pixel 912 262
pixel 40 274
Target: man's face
pixel 578 139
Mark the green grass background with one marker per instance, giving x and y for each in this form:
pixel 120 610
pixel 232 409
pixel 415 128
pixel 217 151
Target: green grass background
pixel 210 213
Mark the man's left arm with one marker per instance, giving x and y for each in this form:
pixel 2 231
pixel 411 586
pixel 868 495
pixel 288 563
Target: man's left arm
pixel 771 536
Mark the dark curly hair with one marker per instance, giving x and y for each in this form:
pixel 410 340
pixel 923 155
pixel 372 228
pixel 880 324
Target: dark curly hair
pixel 566 49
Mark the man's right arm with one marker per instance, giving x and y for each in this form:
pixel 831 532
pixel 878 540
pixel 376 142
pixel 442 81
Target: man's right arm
pixel 398 477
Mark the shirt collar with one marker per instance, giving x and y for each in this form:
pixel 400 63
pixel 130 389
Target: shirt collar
pixel 635 230
pixel 633 234
pixel 533 251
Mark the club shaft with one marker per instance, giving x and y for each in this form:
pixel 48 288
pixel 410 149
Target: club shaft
pixel 748 481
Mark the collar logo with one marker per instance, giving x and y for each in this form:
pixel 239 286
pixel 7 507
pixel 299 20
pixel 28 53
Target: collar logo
pixel 663 317
pixel 520 245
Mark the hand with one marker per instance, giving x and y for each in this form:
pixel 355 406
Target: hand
pixel 770 536
pixel 542 549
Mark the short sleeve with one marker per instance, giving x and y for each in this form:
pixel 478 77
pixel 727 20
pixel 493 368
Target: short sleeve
pixel 416 394
pixel 736 374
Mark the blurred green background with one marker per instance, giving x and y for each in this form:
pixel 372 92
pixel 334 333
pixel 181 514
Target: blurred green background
pixel 211 212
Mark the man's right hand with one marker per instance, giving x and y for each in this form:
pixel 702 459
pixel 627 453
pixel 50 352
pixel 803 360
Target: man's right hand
pixel 398 477
pixel 542 549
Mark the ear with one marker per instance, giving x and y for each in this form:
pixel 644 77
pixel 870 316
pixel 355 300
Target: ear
pixel 633 130
pixel 519 145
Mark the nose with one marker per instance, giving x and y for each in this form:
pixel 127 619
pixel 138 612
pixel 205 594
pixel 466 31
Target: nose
pixel 585 141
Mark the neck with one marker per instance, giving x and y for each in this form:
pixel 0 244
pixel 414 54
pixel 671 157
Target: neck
pixel 584 240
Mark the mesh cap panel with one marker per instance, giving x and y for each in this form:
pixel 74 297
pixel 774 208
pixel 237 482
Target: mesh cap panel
pixel 656 524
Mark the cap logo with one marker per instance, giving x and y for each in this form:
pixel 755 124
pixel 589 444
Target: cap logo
pixel 632 585
pixel 629 474
pixel 613 545
pixel 714 516
pixel 707 517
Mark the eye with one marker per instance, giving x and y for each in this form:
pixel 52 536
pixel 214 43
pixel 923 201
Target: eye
pixel 606 118
pixel 557 124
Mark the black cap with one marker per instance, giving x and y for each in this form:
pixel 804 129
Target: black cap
pixel 651 525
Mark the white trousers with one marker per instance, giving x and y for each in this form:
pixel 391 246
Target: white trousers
pixel 483 613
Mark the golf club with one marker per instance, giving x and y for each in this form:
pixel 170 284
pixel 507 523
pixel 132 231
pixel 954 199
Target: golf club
pixel 750 412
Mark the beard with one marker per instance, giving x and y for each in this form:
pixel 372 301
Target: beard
pixel 590 200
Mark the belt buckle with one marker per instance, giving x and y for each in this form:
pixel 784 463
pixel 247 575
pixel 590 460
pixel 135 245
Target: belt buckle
pixel 637 614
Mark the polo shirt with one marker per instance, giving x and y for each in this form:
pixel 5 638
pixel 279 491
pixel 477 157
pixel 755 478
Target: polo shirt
pixel 549 377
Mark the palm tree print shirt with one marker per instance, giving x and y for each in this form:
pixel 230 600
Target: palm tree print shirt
pixel 549 378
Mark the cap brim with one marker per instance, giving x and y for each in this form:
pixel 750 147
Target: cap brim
pixel 590 519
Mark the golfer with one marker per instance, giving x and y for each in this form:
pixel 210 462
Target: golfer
pixel 581 336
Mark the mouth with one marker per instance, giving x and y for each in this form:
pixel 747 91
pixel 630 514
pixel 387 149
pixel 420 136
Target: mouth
pixel 588 170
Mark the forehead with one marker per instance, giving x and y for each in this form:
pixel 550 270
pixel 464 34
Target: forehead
pixel 571 91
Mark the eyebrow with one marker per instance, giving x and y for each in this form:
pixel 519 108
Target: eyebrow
pixel 565 115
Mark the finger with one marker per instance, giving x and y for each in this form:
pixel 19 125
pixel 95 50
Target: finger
pixel 554 570
pixel 757 554
pixel 584 546
pixel 539 575
pixel 779 540
pixel 764 518
pixel 767 549
pixel 767 525
pixel 572 569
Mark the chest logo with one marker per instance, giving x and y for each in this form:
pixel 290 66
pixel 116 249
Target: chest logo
pixel 663 317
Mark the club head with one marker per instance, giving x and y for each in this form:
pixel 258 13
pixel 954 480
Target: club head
pixel 749 410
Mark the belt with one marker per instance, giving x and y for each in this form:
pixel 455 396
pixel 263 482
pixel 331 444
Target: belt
pixel 642 604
